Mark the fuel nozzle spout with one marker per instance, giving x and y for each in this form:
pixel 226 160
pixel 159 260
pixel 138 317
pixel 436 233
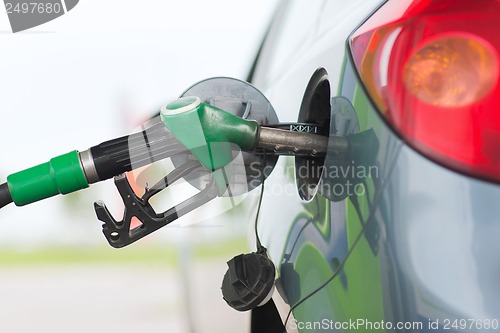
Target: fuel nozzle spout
pixel 282 142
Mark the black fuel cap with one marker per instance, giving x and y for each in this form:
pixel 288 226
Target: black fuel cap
pixel 249 281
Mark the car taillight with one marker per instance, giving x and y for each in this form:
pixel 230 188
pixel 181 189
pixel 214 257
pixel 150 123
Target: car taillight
pixel 432 69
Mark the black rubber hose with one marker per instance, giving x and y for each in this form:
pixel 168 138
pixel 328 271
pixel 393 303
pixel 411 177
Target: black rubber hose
pixel 116 156
pixel 5 197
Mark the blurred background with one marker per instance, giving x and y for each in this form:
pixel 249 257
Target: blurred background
pixel 94 74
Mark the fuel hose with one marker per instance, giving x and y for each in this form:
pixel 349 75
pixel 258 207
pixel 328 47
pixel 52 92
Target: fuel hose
pixel 5 197
pixel 76 170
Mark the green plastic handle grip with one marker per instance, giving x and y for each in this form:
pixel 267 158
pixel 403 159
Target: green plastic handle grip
pixel 208 132
pixel 61 175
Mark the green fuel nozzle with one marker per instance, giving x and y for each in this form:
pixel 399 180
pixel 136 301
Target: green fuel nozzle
pixel 201 139
pixel 207 132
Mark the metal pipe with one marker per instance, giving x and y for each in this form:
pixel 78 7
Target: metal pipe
pixel 284 142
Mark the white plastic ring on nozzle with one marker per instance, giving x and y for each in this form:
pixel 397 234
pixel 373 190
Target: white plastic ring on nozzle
pixel 180 105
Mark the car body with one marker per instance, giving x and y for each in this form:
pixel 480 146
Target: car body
pixel 415 248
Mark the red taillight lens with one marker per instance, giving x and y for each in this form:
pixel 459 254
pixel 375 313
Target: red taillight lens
pixel 432 69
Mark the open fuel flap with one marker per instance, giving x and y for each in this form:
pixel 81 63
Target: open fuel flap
pixel 348 148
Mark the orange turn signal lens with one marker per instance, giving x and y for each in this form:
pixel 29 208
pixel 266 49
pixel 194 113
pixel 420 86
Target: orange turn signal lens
pixel 452 71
